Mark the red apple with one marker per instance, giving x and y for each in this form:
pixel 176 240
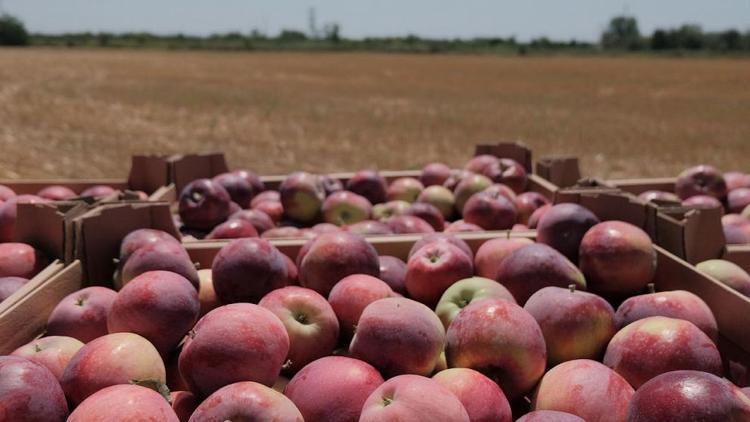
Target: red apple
pixel 9 285
pixel 528 202
pixel 53 352
pixel 184 404
pixel 124 403
pixel 413 398
pixel 29 392
pixel 269 195
pixel 238 187
pixel 492 252
pixel 161 256
pixel 56 193
pixel 302 195
pixel 701 180
pixel 727 273
pixel 140 238
pixel 467 187
pixel 370 184
pixel 733 179
pixel 434 268
pixel 466 291
pixel 369 227
pixel 350 296
pixel 549 416
pixel 702 201
pixel 736 229
pixel 98 191
pixel 483 400
pixel 344 207
pixel 245 270
pixel 738 199
pixel 287 232
pixel 441 237
pixel 260 220
pixel 6 193
pixel 508 172
pixel 441 198
pixel 325 228
pixel 490 211
pixel 428 213
pixel 20 260
pixel 434 174
pixel 460 226
pixel 233 229
pixel 273 209
pixel 247 401
pixel 333 389
pixel 393 273
pixel 562 227
pixel 404 189
pixel 478 163
pixel 204 204
pixel 537 215
pixel 385 211
pixel 82 314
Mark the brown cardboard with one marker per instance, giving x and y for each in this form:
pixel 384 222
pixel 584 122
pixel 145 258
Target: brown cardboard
pixel 561 171
pixel 690 233
pixel 183 169
pixel 638 186
pixel 47 226
pixel 514 150
pixel 99 232
pixel 610 204
pixel 739 254
pixel 148 173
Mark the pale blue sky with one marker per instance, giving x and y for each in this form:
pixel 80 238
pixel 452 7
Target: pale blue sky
pixel 559 19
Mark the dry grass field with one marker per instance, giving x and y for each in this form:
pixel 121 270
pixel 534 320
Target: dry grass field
pixel 75 113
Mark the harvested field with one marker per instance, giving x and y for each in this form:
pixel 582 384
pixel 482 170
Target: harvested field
pixel 82 113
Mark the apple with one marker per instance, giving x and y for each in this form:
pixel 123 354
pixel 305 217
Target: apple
pixel 385 211
pixel 736 229
pixel 490 211
pixel 563 226
pixel 679 304
pixel 260 220
pixel 434 174
pixel 369 228
pixel 428 213
pixel 492 252
pixel 9 285
pixel 617 258
pixel 441 198
pixel 549 416
pixel 370 184
pixel 333 388
pixel 241 185
pixel 441 237
pixel 273 209
pixel 733 179
pixel 393 273
pixel 350 296
pixel 467 187
pixel 655 345
pixel 233 229
pixel 331 184
pixel 142 237
pixel 702 201
pixel 302 196
pixel 501 340
pixel 233 343
pixel 119 358
pixel 460 226
pixel 483 400
pixel 434 268
pixel 325 228
pixel 576 325
pixel 456 177
pixel 184 404
pixel 532 267
pixel 404 189
pixel 287 232
pixel 20 260
pixel 738 199
pixel 507 171
pixel 82 314
pixel 53 352
pixel 309 320
pixel 160 256
pixel 478 163
pixel 409 224
pixel 466 291
pixel 658 195
pixel 56 193
pixel 413 398
pixel 97 191
pixel 398 336
pixel 528 202
pixel 584 388
pixel 247 401
pixel 6 193
pixel 29 392
pixel 727 273
pixel 268 195
pixel 124 403
pixel 245 270
pixel 701 180
pixel 204 204
pixel 688 396
pixel 333 256
pixel 344 207
pixel 537 215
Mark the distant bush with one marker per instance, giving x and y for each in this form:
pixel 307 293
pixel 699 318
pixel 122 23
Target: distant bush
pixel 12 31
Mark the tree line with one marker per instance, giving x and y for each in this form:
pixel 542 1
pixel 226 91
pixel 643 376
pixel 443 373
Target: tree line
pixel 622 34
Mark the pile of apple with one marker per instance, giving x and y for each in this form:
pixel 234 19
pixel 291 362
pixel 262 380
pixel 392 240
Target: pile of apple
pixel 487 195
pixel 19 262
pixel 515 330
pixel 706 187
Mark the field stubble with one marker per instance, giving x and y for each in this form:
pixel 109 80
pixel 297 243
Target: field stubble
pixel 82 113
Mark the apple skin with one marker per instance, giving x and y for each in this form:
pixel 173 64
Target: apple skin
pixel 370 184
pixel 733 179
pixel 333 388
pixel 233 229
pixel 309 320
pixel 528 202
pixel 124 403
pixel 492 252
pixel 727 273
pixel 507 171
pixel 413 398
pixel 333 256
pixel 287 232
pixel 483 400
pixel 385 211
pixel 82 314
pixel 56 193
pixel 344 207
pixel 738 199
pixel 563 226
pixel 466 291
pixel 617 258
pixel 655 345
pixel 393 273
pixel 6 193
pixel 112 359
pixel 241 185
pixel 576 325
pixel 184 404
pixel 460 226
pixel 204 204
pixel 584 388
pixel 29 392
pixel 246 401
pixel 441 237
pixel 434 268
pixel 161 306
pixel 9 285
pixel 409 224
pixel 533 267
pixel 321 228
pixel 537 215
pixel 369 228
pixel 467 187
pixel 701 180
pixel 398 336
pixel 331 184
pixel 490 211
pixel 404 189
pixel 302 195
pixel 679 304
pixel 350 296
pixel 273 209
pixel 161 256
pixel 260 220
pixel 52 352
pixel 736 229
pixel 702 201
pixel 688 396
pixel 434 174
pixel 98 191
pixel 501 340
pixel 478 163
pixel 245 270
pixel 428 213
pixel 441 198
pixel 549 416
pixel 20 260
pixel 142 237
pixel 233 343
pixel 268 195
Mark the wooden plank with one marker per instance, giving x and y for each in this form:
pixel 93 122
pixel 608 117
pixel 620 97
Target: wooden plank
pixel 638 186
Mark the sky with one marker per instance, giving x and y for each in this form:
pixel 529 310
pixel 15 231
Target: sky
pixel 558 19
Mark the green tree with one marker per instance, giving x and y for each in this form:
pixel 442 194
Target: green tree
pixel 622 33
pixel 12 31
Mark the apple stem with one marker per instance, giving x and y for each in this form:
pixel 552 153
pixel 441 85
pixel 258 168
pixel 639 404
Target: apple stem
pixel 572 288
pixel 116 260
pixel 286 365
pixel 651 288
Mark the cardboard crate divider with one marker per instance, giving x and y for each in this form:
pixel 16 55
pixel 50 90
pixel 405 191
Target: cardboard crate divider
pixel 99 232
pixel 690 233
pixel 561 171
pixel 739 254
pixel 638 186
pixel 183 169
